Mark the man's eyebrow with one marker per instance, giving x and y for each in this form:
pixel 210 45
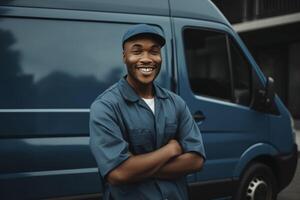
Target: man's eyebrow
pixel 156 46
pixel 153 46
pixel 137 45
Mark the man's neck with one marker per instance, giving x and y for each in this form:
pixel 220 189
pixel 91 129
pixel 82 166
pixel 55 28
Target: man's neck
pixel 142 90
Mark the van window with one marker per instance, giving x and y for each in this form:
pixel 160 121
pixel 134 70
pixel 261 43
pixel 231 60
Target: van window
pixel 57 64
pixel 241 75
pixel 50 69
pixel 207 63
pixel 216 67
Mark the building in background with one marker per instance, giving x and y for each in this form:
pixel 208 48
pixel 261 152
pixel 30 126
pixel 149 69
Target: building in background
pixel 271 30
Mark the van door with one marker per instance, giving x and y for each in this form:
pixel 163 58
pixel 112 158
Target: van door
pixel 214 78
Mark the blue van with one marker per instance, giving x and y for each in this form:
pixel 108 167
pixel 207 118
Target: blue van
pixel 56 56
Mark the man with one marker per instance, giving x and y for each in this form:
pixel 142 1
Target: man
pixel 143 137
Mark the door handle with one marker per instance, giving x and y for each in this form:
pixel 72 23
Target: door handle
pixel 199 116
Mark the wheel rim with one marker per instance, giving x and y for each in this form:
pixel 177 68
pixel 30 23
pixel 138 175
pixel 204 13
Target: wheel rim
pixel 258 189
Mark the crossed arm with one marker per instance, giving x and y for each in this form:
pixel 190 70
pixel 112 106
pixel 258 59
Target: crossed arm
pixel 168 162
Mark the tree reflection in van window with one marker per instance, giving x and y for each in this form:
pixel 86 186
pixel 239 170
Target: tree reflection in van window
pixel 56 64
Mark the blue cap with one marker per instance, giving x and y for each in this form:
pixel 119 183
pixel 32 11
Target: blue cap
pixel 143 29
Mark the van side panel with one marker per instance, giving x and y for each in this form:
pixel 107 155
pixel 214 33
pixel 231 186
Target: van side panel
pixel 281 128
pixel 36 168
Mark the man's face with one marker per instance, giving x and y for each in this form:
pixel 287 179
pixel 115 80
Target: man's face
pixel 143 60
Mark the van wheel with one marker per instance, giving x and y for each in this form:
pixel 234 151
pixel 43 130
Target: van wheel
pixel 257 183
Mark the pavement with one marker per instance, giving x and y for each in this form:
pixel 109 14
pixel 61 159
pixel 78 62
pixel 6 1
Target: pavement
pixel 292 191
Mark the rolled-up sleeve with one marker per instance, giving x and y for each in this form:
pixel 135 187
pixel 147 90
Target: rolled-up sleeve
pixel 106 140
pixel 188 132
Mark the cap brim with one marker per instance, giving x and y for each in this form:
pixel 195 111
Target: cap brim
pixel 161 40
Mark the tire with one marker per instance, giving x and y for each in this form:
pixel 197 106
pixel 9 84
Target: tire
pixel 257 183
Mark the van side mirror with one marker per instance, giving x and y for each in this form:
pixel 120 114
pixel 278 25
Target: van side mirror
pixel 263 98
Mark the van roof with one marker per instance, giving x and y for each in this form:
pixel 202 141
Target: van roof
pixel 196 9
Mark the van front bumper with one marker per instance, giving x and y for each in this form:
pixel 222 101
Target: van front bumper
pixel 287 165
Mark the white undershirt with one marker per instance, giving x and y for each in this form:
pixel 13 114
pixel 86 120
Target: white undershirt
pixel 150 103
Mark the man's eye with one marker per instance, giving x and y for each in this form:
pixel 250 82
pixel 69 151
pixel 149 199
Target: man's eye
pixel 155 52
pixel 136 52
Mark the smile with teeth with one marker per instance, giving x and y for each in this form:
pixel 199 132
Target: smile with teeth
pixel 146 70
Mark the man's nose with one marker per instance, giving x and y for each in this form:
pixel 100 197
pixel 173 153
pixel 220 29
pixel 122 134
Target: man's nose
pixel 146 59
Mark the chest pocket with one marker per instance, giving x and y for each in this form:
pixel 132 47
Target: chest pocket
pixel 170 131
pixel 141 141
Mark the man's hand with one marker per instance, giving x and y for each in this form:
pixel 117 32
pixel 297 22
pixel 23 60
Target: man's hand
pixel 175 147
pixel 139 167
pixel 180 166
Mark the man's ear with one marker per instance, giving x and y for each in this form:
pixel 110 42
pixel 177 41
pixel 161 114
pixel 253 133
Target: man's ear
pixel 124 58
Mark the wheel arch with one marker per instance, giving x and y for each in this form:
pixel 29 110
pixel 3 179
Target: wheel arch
pixel 261 152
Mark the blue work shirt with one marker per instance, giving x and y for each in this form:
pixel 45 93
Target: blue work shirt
pixel 121 122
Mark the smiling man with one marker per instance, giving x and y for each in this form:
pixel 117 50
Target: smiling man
pixel 142 136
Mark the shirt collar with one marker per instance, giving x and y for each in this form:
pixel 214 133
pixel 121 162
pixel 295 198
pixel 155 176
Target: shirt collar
pixel 129 94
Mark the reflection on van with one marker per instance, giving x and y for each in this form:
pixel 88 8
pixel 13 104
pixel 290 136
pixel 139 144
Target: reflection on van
pixel 57 56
